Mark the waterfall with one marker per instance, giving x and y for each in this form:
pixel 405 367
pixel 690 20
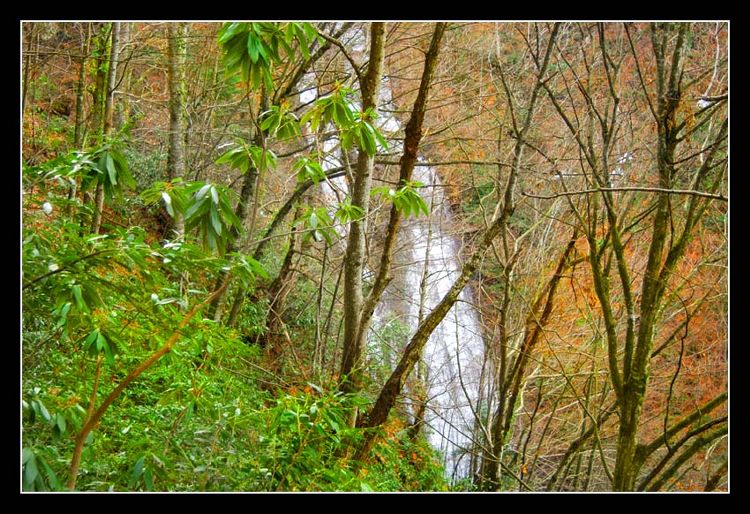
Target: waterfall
pixel 427 260
pixel 453 355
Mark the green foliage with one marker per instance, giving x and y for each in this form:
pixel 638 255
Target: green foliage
pixel 336 108
pixel 308 169
pixel 110 301
pixel 207 207
pixel 406 198
pixel 400 464
pixel 318 224
pixel 354 125
pixel 253 48
pixel 172 194
pixel 210 210
pixel 363 133
pixel 146 166
pixel 107 166
pixel 387 339
pixel 479 194
pixel 346 212
pixel 243 156
pixel 301 449
pixel 37 474
pixel 197 419
pixel 279 121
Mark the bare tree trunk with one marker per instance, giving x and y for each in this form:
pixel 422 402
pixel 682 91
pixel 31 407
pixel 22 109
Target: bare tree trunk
pixel 81 86
pixel 100 84
pixel 108 119
pixel 413 136
pixel 122 107
pixel 176 79
pixel 351 363
pixel 30 30
pixel 79 128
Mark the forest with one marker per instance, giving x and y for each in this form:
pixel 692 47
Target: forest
pixel 374 256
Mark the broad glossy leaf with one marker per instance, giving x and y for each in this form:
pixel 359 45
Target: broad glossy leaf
pixel 54 483
pixel 229 30
pixel 252 47
pixel 202 191
pixel 168 203
pixel 30 471
pixel 78 296
pixel 195 208
pixel 60 423
pixel 215 220
pixel 110 164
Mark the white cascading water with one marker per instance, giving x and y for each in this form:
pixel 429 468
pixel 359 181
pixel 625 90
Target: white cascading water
pixel 454 354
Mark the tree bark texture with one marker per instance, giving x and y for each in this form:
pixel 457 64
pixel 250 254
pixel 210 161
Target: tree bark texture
pixel 176 33
pixel 351 362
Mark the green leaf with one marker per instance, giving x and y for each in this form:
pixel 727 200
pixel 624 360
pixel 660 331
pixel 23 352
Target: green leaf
pixel 423 206
pixel 263 53
pixel 137 471
pixel 257 267
pixel 228 155
pixel 91 339
pixel 215 221
pixel 252 47
pixel 211 240
pixel 60 423
pixel 78 296
pixel 229 30
pixel 110 163
pixel 148 480
pixel 108 354
pixel 310 31
pixel 267 78
pixel 101 342
pixel 202 191
pixel 269 122
pixel 255 74
pixel 54 483
pixel 381 140
pixel 168 203
pixel 215 195
pixel 30 471
pixel 195 208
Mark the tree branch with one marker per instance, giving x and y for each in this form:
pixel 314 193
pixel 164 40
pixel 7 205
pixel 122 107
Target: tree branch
pixel 634 188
